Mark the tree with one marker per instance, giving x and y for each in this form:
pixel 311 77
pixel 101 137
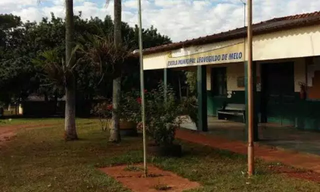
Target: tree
pixel 14 66
pixel 69 78
pixel 7 24
pixel 22 42
pixel 191 80
pixel 70 82
pixel 116 92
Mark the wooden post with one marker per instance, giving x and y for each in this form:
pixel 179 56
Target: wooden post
pixel 142 93
pixel 250 94
pixel 254 98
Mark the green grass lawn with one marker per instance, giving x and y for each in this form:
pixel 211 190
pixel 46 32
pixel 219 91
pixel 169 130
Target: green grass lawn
pixel 22 121
pixel 27 121
pixel 39 160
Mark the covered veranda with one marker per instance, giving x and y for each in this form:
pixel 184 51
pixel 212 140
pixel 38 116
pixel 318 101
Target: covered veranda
pixel 270 134
pixel 286 79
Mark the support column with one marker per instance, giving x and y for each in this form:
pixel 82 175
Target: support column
pixel 256 119
pixel 165 82
pixel 202 124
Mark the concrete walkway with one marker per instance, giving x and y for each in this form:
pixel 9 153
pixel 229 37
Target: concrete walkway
pixel 294 159
pixel 275 135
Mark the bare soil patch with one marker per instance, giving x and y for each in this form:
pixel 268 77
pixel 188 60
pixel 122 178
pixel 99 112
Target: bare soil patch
pixel 296 173
pixel 157 180
pixel 9 132
pixel 7 136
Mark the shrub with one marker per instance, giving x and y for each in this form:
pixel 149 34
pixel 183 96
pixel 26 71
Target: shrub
pixel 162 115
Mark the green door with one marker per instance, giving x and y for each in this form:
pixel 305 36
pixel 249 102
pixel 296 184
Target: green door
pixel 218 94
pixel 278 92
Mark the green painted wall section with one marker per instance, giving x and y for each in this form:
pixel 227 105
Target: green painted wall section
pixel 216 102
pixel 302 114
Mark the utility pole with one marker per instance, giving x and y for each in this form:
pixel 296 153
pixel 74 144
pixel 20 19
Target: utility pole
pixel 142 93
pixel 250 93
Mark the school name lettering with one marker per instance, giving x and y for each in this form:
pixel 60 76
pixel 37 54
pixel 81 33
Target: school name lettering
pixel 207 59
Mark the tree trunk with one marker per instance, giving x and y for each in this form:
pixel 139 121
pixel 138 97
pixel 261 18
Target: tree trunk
pixel 114 130
pixel 70 112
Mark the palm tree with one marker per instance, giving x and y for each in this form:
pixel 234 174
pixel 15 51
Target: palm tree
pixel 114 130
pixel 62 73
pixel 70 88
pixel 69 79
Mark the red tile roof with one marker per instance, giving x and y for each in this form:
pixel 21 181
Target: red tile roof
pixel 269 26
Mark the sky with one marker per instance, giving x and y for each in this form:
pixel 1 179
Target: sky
pixel 179 19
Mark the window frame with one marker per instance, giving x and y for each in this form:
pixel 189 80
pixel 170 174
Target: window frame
pixel 219 87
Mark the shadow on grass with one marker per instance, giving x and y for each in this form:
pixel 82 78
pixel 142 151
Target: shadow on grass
pixel 205 151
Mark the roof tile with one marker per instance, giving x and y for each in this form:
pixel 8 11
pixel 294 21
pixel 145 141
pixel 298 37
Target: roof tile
pixel 269 26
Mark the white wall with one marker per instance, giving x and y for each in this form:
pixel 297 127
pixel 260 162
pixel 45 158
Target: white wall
pixel 296 43
pixel 233 72
pixel 155 61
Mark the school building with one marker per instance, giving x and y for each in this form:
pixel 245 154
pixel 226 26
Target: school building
pixel 286 55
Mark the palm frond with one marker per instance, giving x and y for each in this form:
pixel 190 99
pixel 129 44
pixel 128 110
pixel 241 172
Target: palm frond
pixel 105 56
pixel 52 66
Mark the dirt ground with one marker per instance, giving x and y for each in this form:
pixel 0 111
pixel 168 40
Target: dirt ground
pixel 295 173
pixel 158 180
pixel 7 132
